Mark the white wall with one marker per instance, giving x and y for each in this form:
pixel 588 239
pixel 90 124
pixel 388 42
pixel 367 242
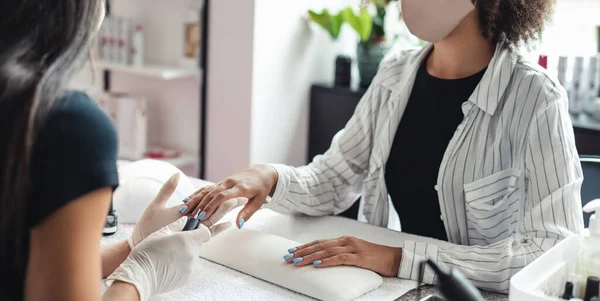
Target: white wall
pixel 290 54
pixel 572 30
pixel 263 58
pixel 229 87
pixel 258 112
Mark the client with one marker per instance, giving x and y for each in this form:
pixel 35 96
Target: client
pixel 465 139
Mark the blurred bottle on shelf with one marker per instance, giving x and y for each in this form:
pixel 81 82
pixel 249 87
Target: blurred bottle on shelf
pixel 137 46
pixel 191 38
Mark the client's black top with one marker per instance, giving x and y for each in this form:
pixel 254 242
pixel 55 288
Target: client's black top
pixel 74 153
pixel 431 117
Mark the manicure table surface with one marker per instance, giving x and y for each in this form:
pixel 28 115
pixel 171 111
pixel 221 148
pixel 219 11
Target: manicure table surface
pixel 216 282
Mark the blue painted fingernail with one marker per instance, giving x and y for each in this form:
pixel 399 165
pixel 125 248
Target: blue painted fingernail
pixel 201 215
pixel 288 256
pixel 186 199
pixel 183 209
pixel 296 260
pixel 292 250
pixel 317 262
pixel 241 223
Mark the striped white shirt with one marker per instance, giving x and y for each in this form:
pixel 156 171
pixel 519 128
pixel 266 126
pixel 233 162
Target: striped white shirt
pixel 508 185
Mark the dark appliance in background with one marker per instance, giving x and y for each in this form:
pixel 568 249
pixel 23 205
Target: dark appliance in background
pixel 343 70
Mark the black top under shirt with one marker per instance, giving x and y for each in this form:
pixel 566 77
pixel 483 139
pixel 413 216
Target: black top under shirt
pixel 74 154
pixel 433 113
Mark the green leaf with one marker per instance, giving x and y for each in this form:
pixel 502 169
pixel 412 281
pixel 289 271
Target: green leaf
pixel 361 23
pixel 336 25
pixel 331 23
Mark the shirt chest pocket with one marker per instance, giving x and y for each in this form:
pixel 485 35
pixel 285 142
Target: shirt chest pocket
pixel 491 205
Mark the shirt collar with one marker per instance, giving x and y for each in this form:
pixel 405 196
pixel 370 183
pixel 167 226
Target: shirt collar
pixel 487 94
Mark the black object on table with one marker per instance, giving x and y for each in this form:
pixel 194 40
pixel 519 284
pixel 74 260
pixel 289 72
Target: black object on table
pixel 587 134
pixel 453 285
pixel 427 290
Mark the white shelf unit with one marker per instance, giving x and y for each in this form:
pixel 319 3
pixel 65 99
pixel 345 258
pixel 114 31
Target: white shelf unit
pixel 171 87
pixel 153 71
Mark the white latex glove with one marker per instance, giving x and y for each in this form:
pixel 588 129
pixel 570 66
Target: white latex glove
pixel 166 260
pixel 157 214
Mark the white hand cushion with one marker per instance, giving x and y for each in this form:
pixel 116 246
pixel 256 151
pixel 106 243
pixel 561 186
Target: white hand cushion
pixel 140 182
pixel 261 255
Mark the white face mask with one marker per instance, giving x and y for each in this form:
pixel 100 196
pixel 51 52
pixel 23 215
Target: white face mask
pixel 433 20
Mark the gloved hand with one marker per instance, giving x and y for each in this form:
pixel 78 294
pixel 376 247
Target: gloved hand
pixel 157 215
pixel 165 260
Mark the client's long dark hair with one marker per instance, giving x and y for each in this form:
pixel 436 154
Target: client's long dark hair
pixel 43 43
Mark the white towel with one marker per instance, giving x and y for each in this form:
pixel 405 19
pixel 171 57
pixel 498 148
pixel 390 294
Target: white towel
pixel 216 282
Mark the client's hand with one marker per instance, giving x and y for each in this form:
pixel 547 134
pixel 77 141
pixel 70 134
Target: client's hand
pixel 157 215
pixel 347 250
pixel 165 260
pixel 253 185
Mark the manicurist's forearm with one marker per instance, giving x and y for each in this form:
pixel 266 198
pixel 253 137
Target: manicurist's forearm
pixel 113 255
pixel 121 291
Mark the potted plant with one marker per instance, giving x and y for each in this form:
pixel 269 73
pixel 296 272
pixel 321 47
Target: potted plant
pixel 372 45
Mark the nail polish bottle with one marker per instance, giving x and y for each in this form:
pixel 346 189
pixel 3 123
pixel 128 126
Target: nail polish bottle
pixel 568 294
pixel 112 222
pixel 592 288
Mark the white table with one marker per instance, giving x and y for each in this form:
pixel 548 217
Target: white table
pixel 216 282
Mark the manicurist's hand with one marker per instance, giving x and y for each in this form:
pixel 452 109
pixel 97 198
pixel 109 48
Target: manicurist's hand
pixel 165 260
pixel 250 187
pixel 157 214
pixel 347 250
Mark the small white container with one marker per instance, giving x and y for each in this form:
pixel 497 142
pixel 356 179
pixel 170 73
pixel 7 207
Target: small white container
pixel 124 41
pixel 137 46
pixel 546 276
pixel 544 279
pixel 592 85
pixel 191 38
pixel 562 70
pixel 576 96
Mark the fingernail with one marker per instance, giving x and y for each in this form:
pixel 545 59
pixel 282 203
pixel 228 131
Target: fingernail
pixel 241 223
pixel 316 262
pixel 201 215
pixel 288 256
pixel 292 250
pixel 186 199
pixel 183 209
pixel 296 260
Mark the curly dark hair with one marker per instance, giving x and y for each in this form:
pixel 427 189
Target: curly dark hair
pixel 514 22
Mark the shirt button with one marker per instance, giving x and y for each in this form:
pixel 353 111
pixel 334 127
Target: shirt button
pixel 436 187
pixel 441 217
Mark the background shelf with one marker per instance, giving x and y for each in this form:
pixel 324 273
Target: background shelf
pixel 154 71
